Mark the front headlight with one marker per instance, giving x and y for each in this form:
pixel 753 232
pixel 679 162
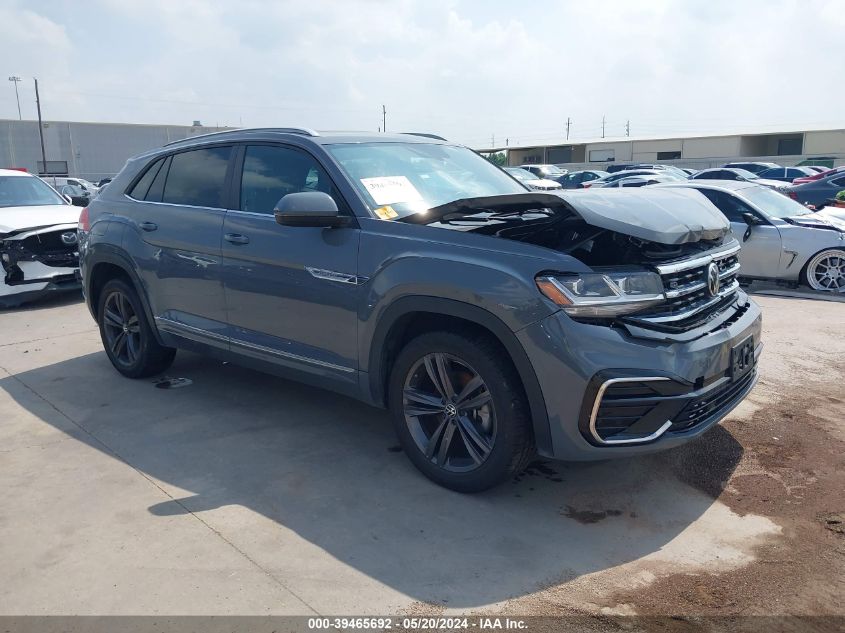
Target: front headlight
pixel 603 294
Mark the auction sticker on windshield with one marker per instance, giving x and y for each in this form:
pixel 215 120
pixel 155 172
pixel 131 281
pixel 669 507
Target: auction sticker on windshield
pixel 391 189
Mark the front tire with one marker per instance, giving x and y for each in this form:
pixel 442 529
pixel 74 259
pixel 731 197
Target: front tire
pixel 459 410
pixel 826 271
pixel 126 334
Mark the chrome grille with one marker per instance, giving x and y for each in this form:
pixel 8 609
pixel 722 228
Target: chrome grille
pixel 689 302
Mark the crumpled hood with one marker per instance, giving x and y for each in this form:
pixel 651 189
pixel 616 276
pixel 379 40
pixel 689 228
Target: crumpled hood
pixel 17 219
pixel 665 216
pixel 820 220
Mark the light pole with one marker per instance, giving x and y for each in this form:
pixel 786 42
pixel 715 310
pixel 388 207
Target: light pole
pixel 17 97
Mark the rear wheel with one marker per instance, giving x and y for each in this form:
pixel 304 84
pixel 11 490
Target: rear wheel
pixel 459 410
pixel 826 271
pixel 126 334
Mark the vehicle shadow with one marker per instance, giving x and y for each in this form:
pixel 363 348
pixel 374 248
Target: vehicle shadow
pixel 51 300
pixel 328 469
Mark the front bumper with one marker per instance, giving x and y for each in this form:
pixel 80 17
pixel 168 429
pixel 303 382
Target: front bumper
pixel 12 296
pixel 676 389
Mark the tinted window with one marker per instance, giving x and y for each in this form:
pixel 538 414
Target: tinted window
pixel 157 188
pixel 728 204
pixel 139 191
pixel 271 172
pixel 776 172
pixel 197 177
pixel 839 182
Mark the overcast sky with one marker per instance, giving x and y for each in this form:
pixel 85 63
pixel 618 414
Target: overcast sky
pixel 466 70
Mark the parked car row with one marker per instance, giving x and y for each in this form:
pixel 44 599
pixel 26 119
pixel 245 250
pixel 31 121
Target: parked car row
pixel 783 237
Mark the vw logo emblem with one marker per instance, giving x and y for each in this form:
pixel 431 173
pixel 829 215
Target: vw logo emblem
pixel 451 410
pixel 69 238
pixel 713 279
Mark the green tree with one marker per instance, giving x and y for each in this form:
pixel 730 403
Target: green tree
pixel 499 159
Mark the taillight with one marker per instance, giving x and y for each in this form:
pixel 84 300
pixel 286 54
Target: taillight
pixel 84 224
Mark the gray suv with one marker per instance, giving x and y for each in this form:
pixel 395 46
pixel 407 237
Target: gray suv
pixel 493 322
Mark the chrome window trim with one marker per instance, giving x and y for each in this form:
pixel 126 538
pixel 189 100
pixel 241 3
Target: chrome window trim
pixel 173 204
pixel 256 214
pixel 176 325
pixel 666 269
pixel 597 403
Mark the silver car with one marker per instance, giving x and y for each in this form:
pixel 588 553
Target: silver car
pixel 781 239
pixel 531 181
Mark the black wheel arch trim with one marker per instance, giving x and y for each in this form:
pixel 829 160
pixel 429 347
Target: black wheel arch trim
pixel 105 254
pixel 474 314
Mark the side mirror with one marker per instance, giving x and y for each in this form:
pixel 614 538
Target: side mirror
pixel 751 219
pixel 309 208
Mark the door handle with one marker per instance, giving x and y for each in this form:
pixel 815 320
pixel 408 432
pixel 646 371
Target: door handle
pixel 148 226
pixel 236 238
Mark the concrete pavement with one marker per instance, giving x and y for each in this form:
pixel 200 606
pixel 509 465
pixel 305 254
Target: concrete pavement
pixel 246 494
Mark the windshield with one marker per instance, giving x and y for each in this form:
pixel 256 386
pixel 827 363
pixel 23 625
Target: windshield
pixel 400 179
pixel 26 191
pixel 748 175
pixel 521 174
pixel 772 203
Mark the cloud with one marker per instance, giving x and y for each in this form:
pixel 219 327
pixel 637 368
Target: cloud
pixel 467 70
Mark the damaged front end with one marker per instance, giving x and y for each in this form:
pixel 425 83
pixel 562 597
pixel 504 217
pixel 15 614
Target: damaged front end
pixel 663 263
pixel 37 261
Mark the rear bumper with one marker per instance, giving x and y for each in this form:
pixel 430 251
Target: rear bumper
pixel 671 391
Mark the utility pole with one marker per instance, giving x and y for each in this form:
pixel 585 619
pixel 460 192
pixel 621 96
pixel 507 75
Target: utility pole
pixel 628 127
pixel 492 140
pixel 383 118
pixel 40 129
pixel 602 126
pixel 568 123
pixel 17 96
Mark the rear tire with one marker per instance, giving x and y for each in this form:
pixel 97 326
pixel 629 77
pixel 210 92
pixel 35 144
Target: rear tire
pixel 470 431
pixel 127 336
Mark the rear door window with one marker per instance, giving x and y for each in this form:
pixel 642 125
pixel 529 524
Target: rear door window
pixel 197 178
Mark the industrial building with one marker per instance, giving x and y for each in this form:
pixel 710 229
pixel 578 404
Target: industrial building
pixel 696 152
pixel 98 150
pixel 89 150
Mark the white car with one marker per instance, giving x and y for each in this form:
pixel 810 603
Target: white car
pixel 781 239
pixel 740 175
pixel 57 182
pixel 38 242
pixel 531 181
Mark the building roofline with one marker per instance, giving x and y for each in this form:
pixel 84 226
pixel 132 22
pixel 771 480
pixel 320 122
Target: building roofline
pixel 640 139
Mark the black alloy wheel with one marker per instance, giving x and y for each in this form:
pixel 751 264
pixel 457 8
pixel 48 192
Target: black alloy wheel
pixel 121 328
pixel 449 412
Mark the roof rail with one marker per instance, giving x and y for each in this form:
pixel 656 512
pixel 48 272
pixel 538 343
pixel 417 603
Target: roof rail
pixel 425 135
pixel 285 130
